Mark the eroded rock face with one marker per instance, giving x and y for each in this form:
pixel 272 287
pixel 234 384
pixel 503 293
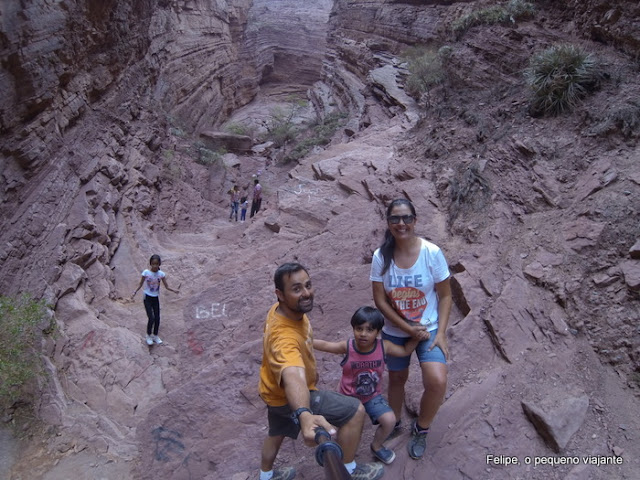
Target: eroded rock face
pixel 288 41
pixel 58 59
pixel 99 129
pixel 202 69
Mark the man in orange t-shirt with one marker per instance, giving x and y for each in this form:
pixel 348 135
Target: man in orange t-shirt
pixel 288 382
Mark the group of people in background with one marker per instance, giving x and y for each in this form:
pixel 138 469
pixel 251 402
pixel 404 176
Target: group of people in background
pixel 238 202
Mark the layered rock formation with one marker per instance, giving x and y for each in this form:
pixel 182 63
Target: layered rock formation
pixel 102 106
pixel 288 41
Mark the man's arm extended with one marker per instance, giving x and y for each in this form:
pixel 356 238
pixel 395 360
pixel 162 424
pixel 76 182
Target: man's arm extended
pixel 294 381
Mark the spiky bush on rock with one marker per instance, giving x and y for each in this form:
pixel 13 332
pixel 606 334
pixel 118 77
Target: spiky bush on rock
pixel 559 77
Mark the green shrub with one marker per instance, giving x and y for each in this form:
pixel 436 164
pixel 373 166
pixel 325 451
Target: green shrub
pixel 318 134
pixel 20 319
pixel 560 76
pixel 171 170
pixel 177 132
pixel 209 157
pixel 326 128
pixel 237 129
pixel 502 13
pixel 445 52
pixel 426 69
pixel 205 156
pixel 521 9
pixel 303 148
pixel 168 154
pixel 623 119
pixel 175 127
pixel 282 133
pixel 280 127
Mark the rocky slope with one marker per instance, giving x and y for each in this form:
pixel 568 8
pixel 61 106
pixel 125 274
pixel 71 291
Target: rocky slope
pixel 103 109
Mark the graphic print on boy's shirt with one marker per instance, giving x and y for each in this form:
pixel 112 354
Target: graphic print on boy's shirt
pixel 366 383
pixel 408 300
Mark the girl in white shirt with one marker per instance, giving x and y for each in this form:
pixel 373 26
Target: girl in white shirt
pixel 151 279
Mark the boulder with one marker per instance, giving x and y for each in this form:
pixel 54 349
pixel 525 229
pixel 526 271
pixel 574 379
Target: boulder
pixel 631 271
pixel 557 424
pixel 227 141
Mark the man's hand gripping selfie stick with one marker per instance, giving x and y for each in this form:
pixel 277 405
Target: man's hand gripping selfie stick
pixel 329 456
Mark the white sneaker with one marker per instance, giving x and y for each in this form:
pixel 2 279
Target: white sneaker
pixel 157 339
pixel 149 340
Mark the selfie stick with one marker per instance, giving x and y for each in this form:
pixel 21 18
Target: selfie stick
pixel 329 456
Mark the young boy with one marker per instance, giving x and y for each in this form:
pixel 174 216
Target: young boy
pixel 362 371
pixel 244 204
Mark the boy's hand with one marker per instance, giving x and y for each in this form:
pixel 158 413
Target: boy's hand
pixel 420 332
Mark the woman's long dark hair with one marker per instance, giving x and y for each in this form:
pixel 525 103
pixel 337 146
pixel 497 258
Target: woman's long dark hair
pixel 389 242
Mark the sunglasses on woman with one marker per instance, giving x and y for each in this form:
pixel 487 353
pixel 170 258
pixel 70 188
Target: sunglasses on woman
pixel 395 219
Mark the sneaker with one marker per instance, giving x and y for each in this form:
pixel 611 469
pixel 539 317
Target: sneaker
pixel 368 471
pixel 283 473
pixel 418 442
pixel 157 339
pixel 149 340
pixel 384 454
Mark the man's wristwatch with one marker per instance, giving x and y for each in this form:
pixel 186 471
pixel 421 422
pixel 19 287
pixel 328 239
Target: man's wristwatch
pixel 295 415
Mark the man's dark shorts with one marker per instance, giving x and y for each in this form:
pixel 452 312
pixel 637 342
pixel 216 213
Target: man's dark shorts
pixel 338 409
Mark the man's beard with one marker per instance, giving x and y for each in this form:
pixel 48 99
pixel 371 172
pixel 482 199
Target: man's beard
pixel 305 306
